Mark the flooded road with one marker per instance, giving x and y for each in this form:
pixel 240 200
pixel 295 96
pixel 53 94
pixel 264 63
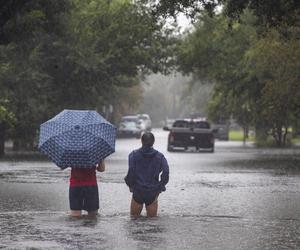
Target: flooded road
pixel 236 198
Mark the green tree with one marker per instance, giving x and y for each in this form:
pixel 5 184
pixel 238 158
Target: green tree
pixel 74 54
pixel 256 76
pixel 268 12
pixel 215 53
pixel 275 62
pixel 27 28
pixel 7 120
pixel 117 41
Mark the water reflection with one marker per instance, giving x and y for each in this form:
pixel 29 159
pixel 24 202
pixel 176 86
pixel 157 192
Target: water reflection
pixel 289 164
pixel 83 221
pixel 52 230
pixel 237 198
pixel 149 233
pixel 56 230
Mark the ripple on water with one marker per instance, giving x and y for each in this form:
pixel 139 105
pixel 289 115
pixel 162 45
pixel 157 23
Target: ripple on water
pixel 48 230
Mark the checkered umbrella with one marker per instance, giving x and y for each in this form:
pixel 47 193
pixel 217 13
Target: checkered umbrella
pixel 77 138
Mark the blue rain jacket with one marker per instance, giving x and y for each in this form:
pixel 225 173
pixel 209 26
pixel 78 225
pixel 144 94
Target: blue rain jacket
pixel 148 170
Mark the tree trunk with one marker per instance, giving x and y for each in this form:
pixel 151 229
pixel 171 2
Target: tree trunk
pixel 261 134
pixel 277 135
pixel 23 144
pixel 284 138
pixel 2 139
pixel 245 134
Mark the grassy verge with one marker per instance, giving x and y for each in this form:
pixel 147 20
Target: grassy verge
pixel 296 140
pixel 237 135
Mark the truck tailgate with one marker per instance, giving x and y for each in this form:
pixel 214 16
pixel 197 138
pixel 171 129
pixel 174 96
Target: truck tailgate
pixel 192 137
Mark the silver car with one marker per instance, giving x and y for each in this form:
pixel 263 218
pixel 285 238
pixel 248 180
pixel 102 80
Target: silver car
pixel 130 127
pixel 145 122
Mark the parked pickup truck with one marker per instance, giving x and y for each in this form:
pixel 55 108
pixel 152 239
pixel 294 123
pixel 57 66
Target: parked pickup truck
pixel 187 133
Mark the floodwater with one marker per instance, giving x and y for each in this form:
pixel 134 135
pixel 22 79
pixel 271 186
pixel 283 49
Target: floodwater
pixel 236 198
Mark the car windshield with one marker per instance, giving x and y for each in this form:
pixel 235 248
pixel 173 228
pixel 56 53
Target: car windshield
pixel 191 124
pixel 125 120
pixel 181 124
pixel 128 124
pixel 201 125
pixel 131 124
pixel 143 117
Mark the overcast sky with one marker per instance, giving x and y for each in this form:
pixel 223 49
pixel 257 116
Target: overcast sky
pixel 183 21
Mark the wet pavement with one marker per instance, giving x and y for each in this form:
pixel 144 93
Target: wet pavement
pixel 236 198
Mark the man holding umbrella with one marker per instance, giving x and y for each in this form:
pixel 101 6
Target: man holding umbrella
pixel 83 191
pixel 81 140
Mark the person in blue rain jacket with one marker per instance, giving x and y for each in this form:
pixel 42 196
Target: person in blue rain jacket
pixel 148 174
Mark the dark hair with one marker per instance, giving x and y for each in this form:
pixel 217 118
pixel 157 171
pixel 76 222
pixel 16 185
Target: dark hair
pixel 148 139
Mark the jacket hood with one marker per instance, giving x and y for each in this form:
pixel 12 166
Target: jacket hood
pixel 148 152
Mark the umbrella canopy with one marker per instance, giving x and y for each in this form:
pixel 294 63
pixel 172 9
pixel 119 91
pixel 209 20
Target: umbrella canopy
pixel 77 138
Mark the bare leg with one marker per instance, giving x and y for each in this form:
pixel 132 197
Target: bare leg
pixel 135 208
pixel 152 209
pixel 75 213
pixel 93 213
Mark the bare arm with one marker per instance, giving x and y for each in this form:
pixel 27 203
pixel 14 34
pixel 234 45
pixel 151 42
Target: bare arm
pixel 165 173
pixel 101 166
pixel 130 177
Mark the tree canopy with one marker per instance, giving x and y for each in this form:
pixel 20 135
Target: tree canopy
pixel 256 77
pixel 74 54
pixel 57 54
pixel 269 12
